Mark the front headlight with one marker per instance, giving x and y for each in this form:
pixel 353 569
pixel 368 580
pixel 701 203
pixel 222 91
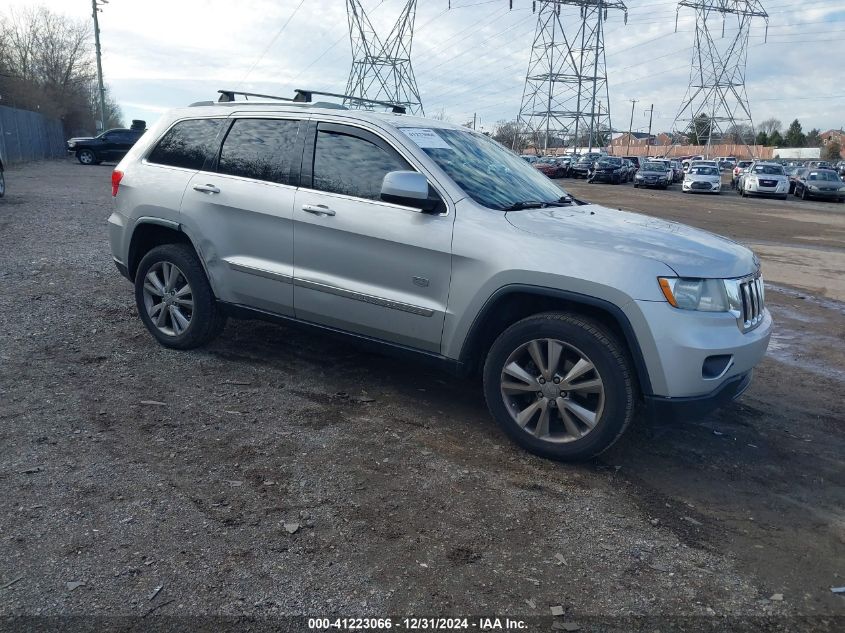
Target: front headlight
pixel 71 144
pixel 638 177
pixel 706 295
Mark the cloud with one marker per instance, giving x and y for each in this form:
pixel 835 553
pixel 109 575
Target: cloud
pixel 472 59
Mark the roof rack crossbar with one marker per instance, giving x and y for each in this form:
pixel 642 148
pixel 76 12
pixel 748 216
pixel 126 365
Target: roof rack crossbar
pixel 305 96
pixel 229 95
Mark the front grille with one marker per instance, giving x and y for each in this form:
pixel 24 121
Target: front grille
pixel 701 185
pixel 752 295
pixel 768 183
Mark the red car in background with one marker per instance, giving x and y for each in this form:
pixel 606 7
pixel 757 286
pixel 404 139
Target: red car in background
pixel 741 166
pixel 552 167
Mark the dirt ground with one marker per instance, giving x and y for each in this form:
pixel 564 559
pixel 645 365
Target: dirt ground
pixel 281 472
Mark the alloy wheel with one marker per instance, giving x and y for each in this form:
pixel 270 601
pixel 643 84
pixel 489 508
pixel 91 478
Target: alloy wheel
pixel 86 158
pixel 168 298
pixel 552 390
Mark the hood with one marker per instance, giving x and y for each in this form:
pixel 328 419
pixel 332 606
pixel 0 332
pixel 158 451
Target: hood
pixel 702 178
pixel 76 139
pixel 689 252
pixel 651 172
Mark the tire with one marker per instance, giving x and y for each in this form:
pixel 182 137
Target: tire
pixel 636 186
pixel 204 319
pixel 784 197
pixel 609 404
pixel 2 185
pixel 86 157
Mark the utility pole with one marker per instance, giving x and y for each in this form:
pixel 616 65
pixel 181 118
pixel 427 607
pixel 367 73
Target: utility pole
pixel 95 9
pixel 648 140
pixel 473 120
pixel 631 126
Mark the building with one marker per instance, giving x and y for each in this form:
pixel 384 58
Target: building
pixel 834 136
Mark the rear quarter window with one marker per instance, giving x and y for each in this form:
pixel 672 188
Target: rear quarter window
pixel 187 144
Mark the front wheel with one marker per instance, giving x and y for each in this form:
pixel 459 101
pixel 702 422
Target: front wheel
pixel 560 386
pixel 175 300
pixel 86 157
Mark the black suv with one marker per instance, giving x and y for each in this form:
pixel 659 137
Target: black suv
pixel 111 145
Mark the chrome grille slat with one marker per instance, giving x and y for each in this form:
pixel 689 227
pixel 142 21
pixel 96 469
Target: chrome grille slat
pixel 751 294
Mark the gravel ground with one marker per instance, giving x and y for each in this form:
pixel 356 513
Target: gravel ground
pixel 279 472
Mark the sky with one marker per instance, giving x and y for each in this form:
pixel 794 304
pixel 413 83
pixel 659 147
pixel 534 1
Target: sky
pixel 472 59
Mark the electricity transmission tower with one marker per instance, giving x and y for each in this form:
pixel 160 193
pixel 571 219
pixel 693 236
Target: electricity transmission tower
pixel 566 100
pixel 715 106
pixel 381 66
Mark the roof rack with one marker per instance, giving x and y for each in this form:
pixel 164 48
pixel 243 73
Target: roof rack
pixel 304 96
pixel 229 95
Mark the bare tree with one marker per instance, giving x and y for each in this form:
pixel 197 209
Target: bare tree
pixel 769 125
pixel 47 64
pixel 514 135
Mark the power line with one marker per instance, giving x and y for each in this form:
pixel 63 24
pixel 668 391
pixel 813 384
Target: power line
pixel 270 43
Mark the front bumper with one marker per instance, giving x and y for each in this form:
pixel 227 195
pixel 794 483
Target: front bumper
pixel 696 353
pixel 663 409
pixel 651 182
pixel 781 189
pixel 606 176
pixel 827 195
pixel 712 187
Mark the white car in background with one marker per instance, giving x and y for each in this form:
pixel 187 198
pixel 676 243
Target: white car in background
pixel 764 179
pixel 702 179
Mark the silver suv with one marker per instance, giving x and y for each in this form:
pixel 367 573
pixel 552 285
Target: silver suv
pixel 430 238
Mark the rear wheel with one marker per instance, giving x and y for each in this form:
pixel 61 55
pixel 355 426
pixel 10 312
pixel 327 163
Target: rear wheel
pixel 86 157
pixel 560 386
pixel 174 298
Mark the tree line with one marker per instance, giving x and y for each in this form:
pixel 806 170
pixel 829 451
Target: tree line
pixel 47 64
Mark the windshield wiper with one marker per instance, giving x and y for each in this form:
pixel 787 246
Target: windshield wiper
pixel 525 204
pixel 538 204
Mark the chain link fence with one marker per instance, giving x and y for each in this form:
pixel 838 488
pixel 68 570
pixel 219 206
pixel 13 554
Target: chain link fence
pixel 27 136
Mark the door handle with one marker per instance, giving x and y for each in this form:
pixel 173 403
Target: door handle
pixel 206 188
pixel 317 209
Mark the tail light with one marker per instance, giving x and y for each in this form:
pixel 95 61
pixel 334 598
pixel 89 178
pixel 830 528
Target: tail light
pixel 116 177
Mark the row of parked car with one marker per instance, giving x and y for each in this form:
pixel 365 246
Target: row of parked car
pixel 813 179
pixel 820 180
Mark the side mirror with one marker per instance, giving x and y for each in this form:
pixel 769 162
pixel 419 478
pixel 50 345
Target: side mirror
pixel 408 188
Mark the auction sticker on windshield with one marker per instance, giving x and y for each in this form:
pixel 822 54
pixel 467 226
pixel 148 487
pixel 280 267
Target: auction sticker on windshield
pixel 426 138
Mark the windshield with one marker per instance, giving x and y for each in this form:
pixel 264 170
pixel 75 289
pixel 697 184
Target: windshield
pixel 487 172
pixel 772 170
pixel 823 175
pixel 704 170
pixel 610 162
pixel 654 167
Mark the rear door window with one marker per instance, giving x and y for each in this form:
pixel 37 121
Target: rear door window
pixel 261 149
pixel 187 144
